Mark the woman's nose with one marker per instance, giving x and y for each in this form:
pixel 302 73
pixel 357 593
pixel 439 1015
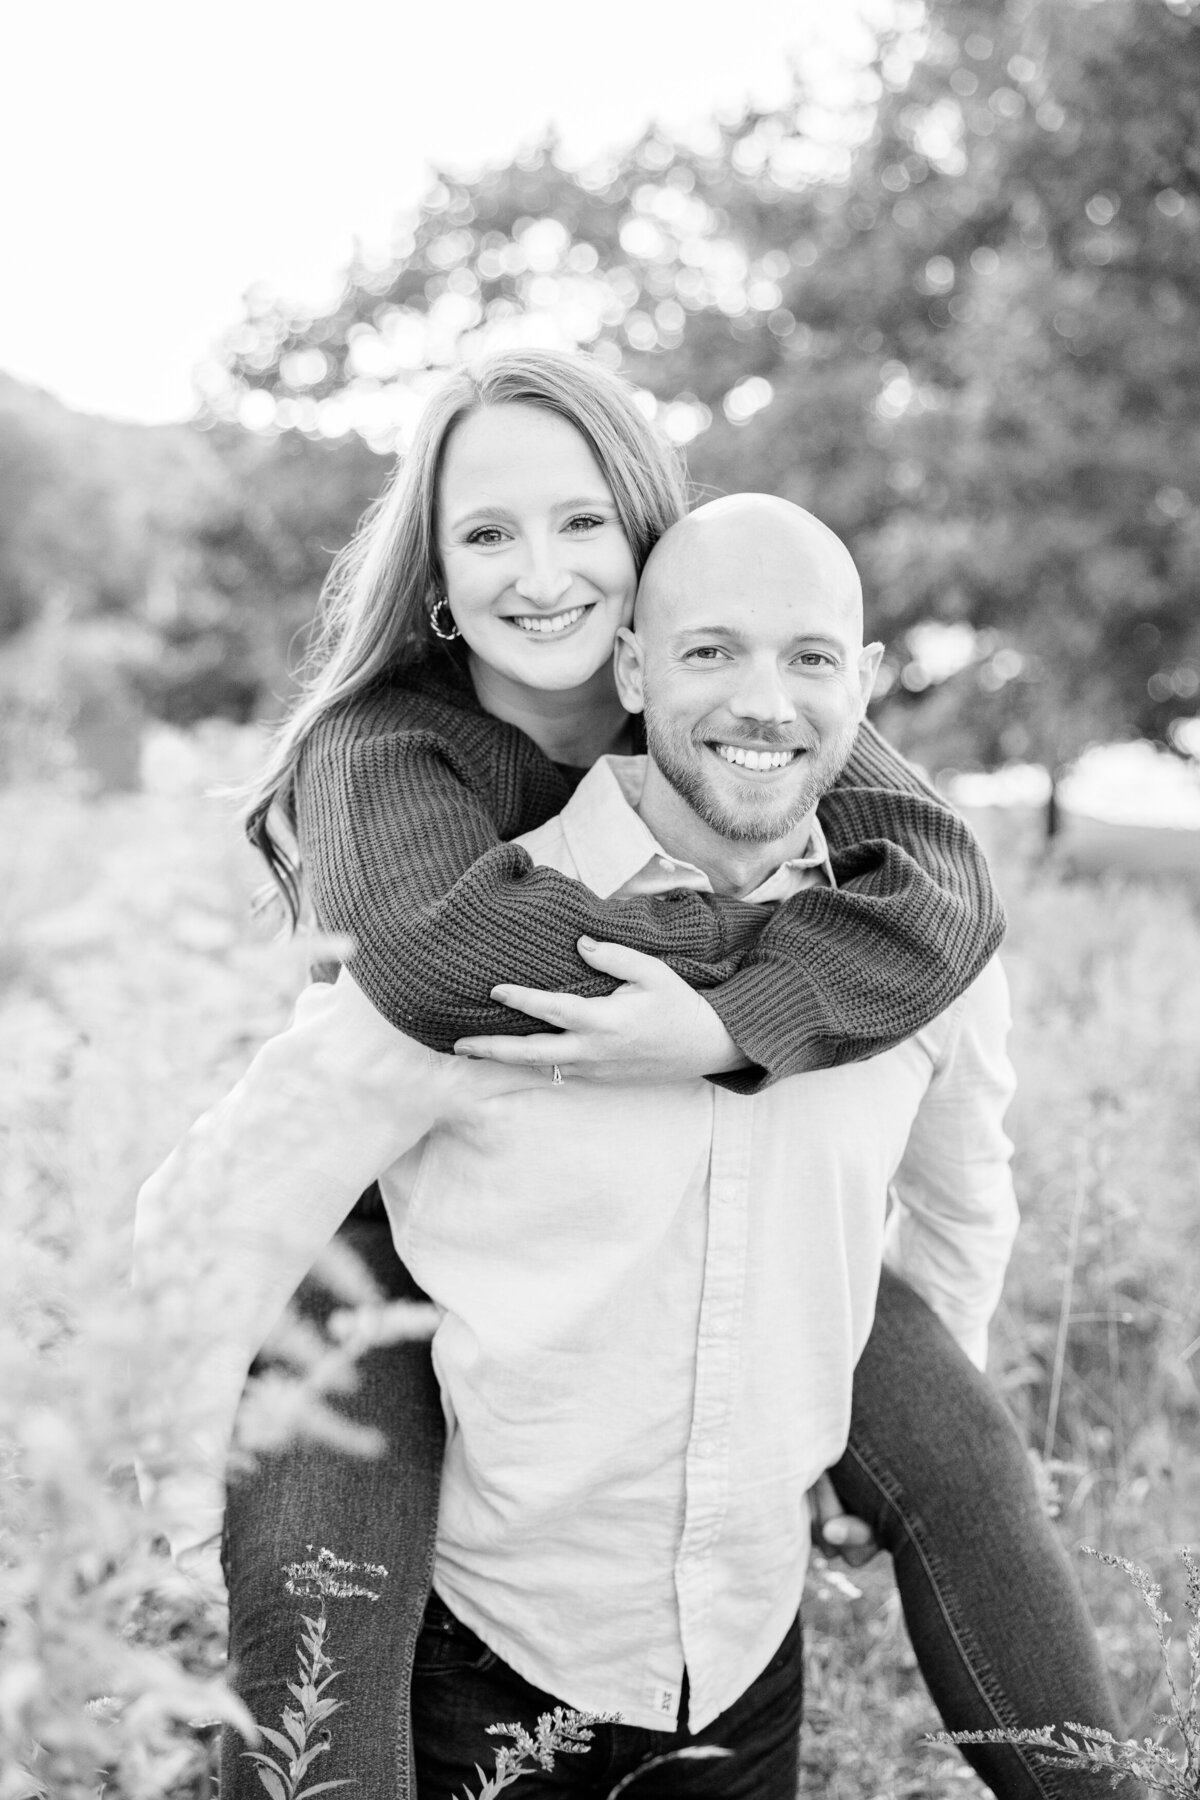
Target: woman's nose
pixel 544 580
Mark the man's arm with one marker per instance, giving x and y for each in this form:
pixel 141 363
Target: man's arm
pixel 955 1216
pixel 229 1225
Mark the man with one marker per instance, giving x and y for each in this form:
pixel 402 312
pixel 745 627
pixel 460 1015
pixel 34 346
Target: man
pixel 651 1299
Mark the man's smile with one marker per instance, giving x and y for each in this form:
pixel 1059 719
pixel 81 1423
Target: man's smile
pixel 741 756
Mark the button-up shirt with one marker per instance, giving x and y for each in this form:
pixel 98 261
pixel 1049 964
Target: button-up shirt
pixel 651 1298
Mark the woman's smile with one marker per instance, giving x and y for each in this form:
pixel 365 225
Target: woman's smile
pixel 549 625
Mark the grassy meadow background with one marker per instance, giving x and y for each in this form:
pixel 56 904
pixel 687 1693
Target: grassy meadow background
pixel 133 987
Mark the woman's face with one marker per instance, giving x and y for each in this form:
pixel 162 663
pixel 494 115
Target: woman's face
pixel 539 575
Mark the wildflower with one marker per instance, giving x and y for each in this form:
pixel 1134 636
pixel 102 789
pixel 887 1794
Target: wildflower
pixel 1084 1747
pixel 305 1737
pixel 325 1576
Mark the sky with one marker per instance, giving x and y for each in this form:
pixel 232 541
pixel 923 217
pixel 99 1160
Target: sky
pixel 162 156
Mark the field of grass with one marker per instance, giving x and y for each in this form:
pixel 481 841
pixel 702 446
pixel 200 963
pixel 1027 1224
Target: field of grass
pixel 132 988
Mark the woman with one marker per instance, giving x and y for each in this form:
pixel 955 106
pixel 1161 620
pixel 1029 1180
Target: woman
pixel 461 685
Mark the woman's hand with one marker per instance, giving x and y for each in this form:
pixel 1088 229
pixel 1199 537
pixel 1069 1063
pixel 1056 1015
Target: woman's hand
pixel 653 1028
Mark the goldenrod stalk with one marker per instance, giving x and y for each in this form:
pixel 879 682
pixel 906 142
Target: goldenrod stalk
pixel 1073 1746
pixel 303 1738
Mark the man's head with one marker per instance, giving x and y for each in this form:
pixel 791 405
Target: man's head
pixel 746 657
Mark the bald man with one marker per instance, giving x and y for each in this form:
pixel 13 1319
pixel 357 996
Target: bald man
pixel 650 1299
pixel 748 662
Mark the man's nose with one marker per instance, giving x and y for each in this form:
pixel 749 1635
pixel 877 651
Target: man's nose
pixel 543 580
pixel 762 695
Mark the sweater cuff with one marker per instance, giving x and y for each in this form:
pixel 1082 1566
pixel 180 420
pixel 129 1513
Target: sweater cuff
pixel 763 1021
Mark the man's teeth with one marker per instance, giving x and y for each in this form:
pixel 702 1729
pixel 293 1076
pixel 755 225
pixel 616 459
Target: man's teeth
pixel 755 759
pixel 536 622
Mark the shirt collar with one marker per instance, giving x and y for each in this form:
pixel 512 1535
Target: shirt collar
pixel 612 847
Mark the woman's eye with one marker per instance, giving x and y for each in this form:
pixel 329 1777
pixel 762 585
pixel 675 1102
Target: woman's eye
pixel 584 522
pixel 487 535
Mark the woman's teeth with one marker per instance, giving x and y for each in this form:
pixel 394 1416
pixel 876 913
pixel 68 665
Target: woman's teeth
pixel 546 627
pixel 755 759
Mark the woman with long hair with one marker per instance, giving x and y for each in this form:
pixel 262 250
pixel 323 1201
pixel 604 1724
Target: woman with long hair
pixel 460 684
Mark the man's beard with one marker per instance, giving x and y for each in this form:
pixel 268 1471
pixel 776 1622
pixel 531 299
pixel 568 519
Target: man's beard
pixel 758 817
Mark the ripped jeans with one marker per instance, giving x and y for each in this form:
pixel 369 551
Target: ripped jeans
pixel 934 1464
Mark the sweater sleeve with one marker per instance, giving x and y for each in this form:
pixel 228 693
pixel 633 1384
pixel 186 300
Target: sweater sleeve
pixel 403 856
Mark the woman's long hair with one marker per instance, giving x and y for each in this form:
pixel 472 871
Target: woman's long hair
pixel 376 602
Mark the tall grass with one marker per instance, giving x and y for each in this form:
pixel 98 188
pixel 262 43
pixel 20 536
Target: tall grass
pixel 133 988
pixel 130 991
pixel 1098 1344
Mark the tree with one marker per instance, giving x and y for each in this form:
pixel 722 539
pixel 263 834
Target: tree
pixel 237 621
pixel 966 335
pixel 89 508
pixel 1051 468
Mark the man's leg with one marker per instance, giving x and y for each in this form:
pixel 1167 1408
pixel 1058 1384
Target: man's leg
pixel 996 1617
pixel 460 1687
pixel 762 1730
pixel 380 1510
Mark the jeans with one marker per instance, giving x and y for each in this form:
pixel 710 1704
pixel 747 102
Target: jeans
pixel 460 1687
pixel 995 1615
pixel 933 1463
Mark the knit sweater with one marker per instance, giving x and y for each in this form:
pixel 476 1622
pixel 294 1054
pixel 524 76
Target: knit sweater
pixel 406 797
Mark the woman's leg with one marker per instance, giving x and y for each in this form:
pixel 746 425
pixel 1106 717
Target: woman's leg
pixel 379 1510
pixel 994 1612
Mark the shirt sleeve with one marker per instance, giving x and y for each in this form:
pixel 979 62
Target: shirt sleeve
pixel 231 1223
pixel 954 1213
pixel 403 857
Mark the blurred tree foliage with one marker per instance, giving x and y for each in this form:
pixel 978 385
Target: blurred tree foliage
pixel 258 558
pixel 91 512
pixel 162 568
pixel 961 321
pixel 970 340
pixel 1045 455
pixel 97 521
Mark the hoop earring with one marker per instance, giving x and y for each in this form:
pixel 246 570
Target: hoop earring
pixel 438 624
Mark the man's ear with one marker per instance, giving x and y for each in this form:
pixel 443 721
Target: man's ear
pixel 627 669
pixel 869 659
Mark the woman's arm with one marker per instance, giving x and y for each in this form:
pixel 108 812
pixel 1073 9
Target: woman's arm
pixel 864 938
pixel 403 855
pixel 400 832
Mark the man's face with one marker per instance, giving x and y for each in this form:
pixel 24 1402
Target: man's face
pixel 749 666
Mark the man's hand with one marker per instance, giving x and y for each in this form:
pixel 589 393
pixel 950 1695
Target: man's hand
pixel 836 1532
pixel 654 1027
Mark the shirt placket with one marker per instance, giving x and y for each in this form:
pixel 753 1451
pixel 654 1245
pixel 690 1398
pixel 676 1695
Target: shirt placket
pixel 709 1454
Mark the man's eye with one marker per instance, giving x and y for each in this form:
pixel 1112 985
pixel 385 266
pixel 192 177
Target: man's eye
pixel 815 659
pixel 706 653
